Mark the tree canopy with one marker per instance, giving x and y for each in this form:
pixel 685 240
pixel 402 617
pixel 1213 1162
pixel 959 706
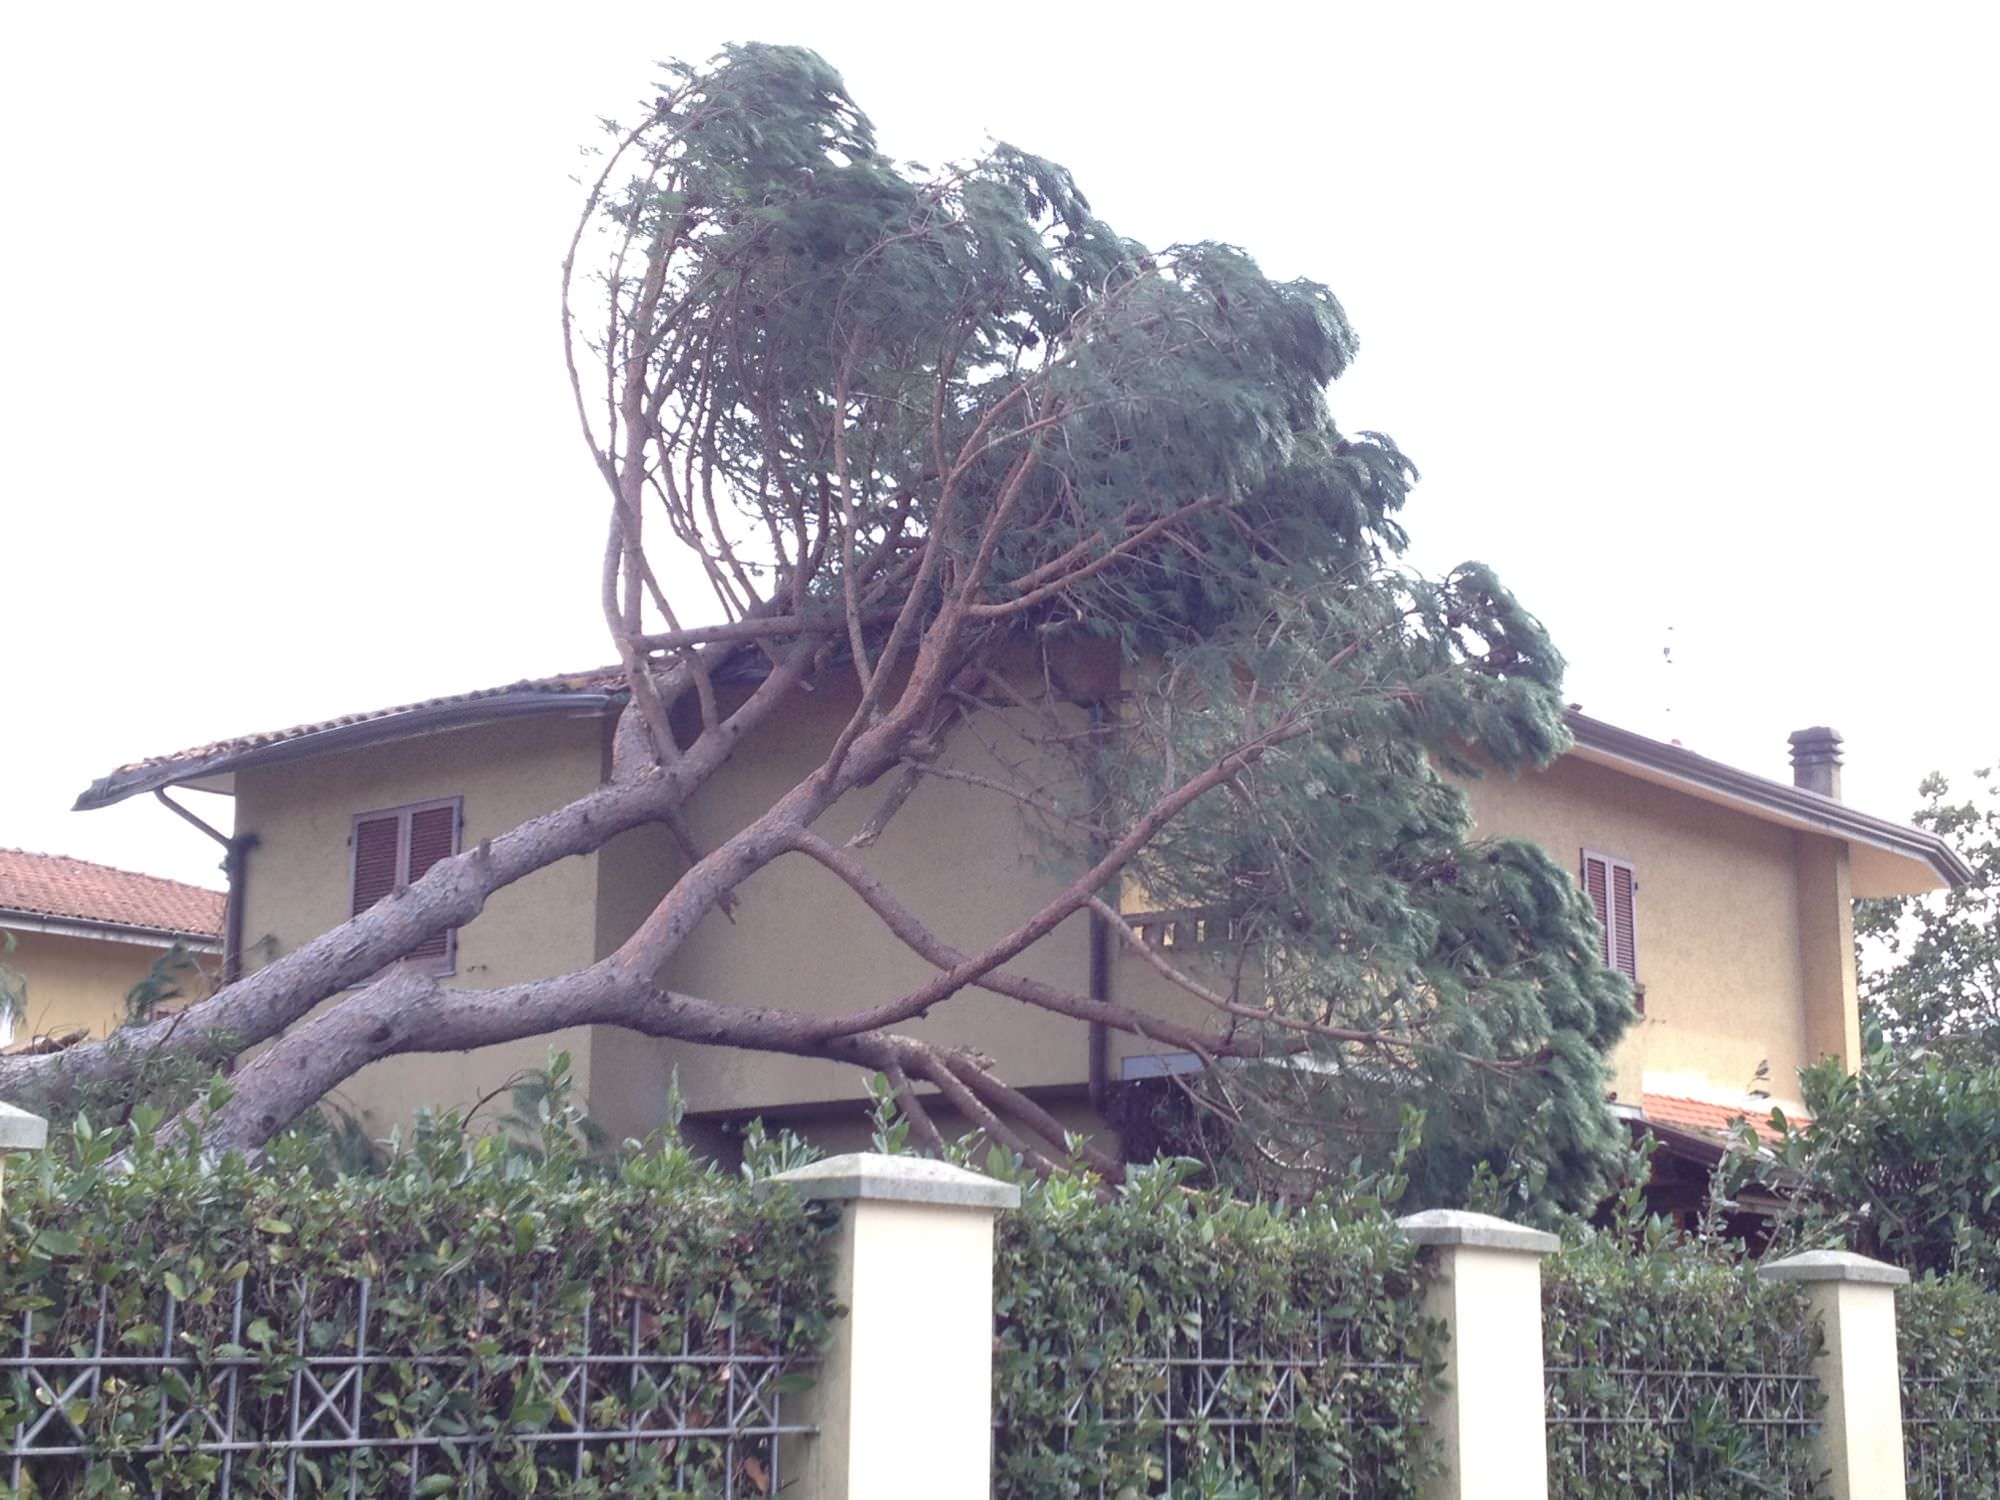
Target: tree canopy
pixel 900 429
pixel 1931 976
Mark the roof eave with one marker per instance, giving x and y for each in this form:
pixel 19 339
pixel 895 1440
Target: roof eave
pixel 424 719
pixel 98 930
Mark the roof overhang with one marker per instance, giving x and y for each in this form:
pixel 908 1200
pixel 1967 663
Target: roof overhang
pixel 108 932
pixel 1884 858
pixel 210 772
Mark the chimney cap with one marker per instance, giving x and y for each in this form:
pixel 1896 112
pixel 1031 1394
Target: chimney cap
pixel 1815 746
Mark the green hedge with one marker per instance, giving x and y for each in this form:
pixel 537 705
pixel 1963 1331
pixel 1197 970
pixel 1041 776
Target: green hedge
pixel 1308 1318
pixel 1949 1332
pixel 483 1254
pixel 1673 1370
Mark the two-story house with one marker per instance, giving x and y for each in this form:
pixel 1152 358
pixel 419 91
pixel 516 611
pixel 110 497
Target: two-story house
pixel 1726 896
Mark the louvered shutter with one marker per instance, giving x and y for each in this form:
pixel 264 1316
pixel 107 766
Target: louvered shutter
pixel 377 845
pixel 433 836
pixel 1597 885
pixel 1624 940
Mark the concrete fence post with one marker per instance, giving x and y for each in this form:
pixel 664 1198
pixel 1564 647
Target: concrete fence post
pixel 1860 1439
pixel 20 1131
pixel 904 1395
pixel 1491 1415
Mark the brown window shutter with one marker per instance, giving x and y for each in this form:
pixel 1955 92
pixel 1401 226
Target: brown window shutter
pixel 377 843
pixel 433 836
pixel 1596 884
pixel 1625 945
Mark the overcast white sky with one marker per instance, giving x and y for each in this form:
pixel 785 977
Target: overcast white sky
pixel 1688 315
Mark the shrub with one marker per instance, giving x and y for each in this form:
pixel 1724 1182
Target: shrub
pixel 1168 1342
pixel 485 1265
pixel 1948 1329
pixel 1674 1370
pixel 1900 1161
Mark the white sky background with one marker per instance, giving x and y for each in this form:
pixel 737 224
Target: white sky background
pixel 1688 316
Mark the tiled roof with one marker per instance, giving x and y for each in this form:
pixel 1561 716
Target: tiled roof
pixel 1711 1119
pixel 56 886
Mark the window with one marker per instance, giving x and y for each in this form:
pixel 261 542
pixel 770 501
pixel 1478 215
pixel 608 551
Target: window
pixel 1613 889
pixel 396 846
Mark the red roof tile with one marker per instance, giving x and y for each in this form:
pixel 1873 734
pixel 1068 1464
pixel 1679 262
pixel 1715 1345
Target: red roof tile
pixel 54 885
pixel 1714 1119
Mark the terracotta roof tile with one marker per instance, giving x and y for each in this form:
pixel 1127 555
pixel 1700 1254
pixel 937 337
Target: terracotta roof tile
pixel 54 885
pixel 1713 1119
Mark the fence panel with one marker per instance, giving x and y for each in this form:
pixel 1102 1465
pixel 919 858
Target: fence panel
pixel 1210 1405
pixel 1677 1374
pixel 1705 1434
pixel 211 1396
pixel 1947 1328
pixel 1951 1436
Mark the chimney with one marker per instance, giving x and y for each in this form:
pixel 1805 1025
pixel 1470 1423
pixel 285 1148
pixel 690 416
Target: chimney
pixel 1816 760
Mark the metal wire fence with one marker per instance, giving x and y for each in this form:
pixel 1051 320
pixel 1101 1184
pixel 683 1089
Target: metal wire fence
pixel 1947 1328
pixel 1951 1436
pixel 218 1398
pixel 1656 1428
pixel 1207 1406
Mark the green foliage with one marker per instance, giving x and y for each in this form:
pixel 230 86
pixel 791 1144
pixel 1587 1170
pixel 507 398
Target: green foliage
pixel 1632 1312
pixel 1948 1329
pixel 166 980
pixel 1900 1161
pixel 485 1250
pixel 13 984
pixel 138 1080
pixel 1091 1292
pixel 1933 980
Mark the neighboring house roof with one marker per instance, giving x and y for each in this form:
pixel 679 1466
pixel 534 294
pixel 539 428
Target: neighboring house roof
pixel 55 893
pixel 1710 1119
pixel 1888 858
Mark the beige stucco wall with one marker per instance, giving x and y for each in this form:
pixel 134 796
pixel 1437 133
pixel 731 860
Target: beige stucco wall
pixel 962 858
pixel 1826 947
pixel 298 881
pixel 1732 935
pixel 1721 941
pixel 1745 932
pixel 79 981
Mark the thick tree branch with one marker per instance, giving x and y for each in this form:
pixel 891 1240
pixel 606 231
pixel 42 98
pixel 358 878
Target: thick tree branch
pixel 1072 898
pixel 450 894
pixel 906 926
